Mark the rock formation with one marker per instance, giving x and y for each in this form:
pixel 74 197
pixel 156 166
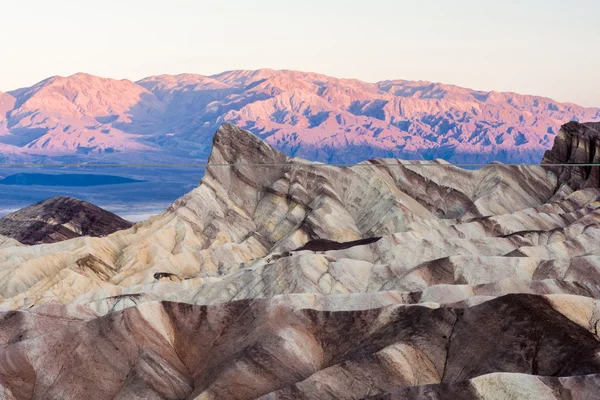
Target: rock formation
pixel 60 218
pixel 299 280
pixel 576 144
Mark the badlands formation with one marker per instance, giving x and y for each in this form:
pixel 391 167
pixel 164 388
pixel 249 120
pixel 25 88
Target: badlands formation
pixel 387 280
pixel 60 218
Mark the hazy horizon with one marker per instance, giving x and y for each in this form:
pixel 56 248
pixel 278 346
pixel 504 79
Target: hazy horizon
pixel 542 48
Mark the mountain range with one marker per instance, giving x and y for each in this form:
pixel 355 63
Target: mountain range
pixel 171 118
pixel 390 279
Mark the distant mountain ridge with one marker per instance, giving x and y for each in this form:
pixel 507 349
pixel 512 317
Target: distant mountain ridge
pixel 172 117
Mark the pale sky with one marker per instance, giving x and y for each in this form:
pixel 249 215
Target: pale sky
pixel 541 47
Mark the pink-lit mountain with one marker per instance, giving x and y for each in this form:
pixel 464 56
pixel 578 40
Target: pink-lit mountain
pixel 304 114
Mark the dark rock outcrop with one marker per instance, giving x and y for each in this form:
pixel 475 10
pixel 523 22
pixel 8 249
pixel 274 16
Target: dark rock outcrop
pixel 576 143
pixel 60 218
pixel 327 245
pixel 167 276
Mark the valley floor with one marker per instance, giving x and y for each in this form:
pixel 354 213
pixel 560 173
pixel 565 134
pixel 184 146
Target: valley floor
pixel 132 201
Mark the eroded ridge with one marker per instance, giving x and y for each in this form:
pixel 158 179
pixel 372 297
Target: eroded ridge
pixel 302 280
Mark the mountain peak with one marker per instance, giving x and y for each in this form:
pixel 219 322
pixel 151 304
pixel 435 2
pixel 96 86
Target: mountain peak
pixel 84 75
pixel 162 85
pixel 233 145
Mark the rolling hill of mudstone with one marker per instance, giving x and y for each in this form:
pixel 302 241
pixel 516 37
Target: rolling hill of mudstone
pixel 389 280
pixel 60 218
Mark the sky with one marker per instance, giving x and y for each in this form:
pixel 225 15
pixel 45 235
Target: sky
pixel 540 47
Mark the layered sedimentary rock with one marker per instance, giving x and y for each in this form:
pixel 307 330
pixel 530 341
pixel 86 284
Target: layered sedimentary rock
pixel 503 386
pixel 576 144
pixel 261 349
pixel 58 219
pixel 278 278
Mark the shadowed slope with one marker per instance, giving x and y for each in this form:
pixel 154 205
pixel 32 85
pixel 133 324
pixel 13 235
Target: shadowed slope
pixel 576 144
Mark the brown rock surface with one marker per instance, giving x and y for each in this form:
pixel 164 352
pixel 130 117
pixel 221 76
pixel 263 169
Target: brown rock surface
pixel 60 218
pixel 249 349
